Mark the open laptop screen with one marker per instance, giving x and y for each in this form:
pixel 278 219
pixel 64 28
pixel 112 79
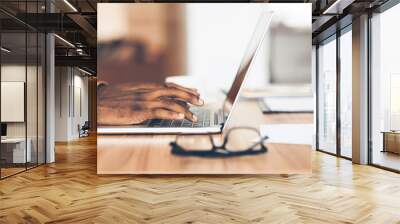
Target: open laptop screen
pixel 246 62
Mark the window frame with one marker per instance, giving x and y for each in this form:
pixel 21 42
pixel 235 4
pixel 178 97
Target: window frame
pixel 333 37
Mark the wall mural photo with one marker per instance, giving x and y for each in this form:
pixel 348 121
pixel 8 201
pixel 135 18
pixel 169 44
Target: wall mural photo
pixel 175 82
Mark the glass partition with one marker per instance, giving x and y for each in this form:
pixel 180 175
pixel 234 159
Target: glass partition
pixel 22 88
pixel 32 103
pixel 31 98
pixel 13 94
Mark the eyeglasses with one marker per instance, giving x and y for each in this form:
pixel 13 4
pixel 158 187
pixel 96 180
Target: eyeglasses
pixel 238 141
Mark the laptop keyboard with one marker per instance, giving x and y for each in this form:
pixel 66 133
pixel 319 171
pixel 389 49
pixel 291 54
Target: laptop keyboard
pixel 203 120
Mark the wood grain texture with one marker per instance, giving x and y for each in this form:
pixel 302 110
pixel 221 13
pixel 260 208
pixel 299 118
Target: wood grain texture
pixel 150 154
pixel 70 191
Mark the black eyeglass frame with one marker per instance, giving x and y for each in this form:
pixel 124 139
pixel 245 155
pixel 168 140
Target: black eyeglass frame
pixel 220 151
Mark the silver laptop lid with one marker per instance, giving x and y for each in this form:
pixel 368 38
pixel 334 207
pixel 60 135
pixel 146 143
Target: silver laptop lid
pixel 251 51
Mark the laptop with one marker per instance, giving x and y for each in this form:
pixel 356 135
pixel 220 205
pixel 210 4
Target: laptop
pixel 210 118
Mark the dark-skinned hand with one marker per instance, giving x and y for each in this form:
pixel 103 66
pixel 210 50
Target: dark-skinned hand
pixel 134 104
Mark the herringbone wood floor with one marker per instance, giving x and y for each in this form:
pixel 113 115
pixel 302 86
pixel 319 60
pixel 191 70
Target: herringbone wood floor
pixel 69 191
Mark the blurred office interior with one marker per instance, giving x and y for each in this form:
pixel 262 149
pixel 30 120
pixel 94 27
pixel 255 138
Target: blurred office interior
pixel 203 41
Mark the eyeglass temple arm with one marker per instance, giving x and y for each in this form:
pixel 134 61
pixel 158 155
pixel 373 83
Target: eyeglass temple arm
pixel 260 142
pixel 226 138
pixel 212 141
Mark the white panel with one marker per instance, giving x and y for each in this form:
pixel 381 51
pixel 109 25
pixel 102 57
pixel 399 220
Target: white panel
pixel 12 101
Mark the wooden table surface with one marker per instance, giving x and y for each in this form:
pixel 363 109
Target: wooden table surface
pixel 150 154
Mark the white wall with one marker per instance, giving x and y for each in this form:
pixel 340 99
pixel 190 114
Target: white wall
pixel 80 109
pixel 70 83
pixel 62 82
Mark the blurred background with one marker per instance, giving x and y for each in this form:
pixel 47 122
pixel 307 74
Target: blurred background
pixel 150 42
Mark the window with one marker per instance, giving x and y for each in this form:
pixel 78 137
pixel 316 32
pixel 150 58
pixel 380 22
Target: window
pixel 327 96
pixel 346 93
pixel 385 89
pixel 334 138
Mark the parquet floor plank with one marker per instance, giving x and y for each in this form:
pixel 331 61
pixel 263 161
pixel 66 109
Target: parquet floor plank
pixel 70 191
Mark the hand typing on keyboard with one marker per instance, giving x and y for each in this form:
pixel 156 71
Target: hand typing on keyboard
pixel 134 104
